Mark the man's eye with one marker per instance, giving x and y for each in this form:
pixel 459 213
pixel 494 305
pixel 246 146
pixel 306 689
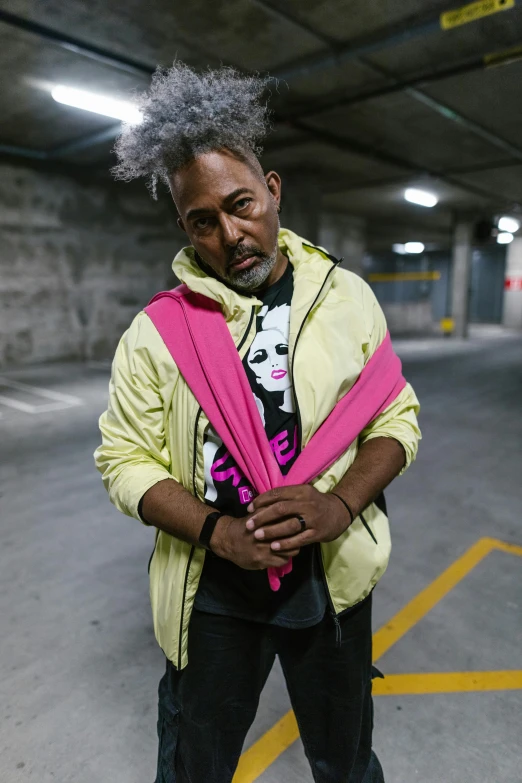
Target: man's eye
pixel 242 203
pixel 202 223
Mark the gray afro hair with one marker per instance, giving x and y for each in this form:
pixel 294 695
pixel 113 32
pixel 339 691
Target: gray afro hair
pixel 186 114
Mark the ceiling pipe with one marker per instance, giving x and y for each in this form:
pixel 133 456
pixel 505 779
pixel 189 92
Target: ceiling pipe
pixel 355 51
pixel 76 45
pixel 84 142
pixel 22 152
pixel 338 55
pixel 466 66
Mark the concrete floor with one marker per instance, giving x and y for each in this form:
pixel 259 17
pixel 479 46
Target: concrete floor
pixel 80 665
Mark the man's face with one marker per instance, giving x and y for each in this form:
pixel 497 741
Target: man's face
pixel 230 213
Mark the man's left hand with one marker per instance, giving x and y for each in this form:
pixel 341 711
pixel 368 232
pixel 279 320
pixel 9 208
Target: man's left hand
pixel 276 513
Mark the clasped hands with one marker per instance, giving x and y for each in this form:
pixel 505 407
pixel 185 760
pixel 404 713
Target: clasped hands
pixel 271 534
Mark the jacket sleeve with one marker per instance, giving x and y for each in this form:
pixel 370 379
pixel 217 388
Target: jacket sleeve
pixel 399 420
pixel 133 455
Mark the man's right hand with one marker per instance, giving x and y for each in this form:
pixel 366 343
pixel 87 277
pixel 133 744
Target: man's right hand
pixel 232 541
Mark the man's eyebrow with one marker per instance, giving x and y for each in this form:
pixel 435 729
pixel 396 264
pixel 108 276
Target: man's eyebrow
pixel 231 197
pixel 235 193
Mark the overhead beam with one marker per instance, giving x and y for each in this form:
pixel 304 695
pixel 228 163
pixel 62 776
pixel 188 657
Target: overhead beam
pixel 470 125
pixel 383 157
pixel 354 147
pixel 284 16
pixel 455 172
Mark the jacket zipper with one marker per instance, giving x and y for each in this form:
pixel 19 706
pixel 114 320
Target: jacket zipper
pixel 193 548
pixel 368 529
pixel 338 635
pixel 247 332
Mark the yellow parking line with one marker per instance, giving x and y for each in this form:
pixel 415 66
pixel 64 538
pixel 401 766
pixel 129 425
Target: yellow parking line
pixel 404 620
pixel 447 682
pixel 502 546
pixel 264 752
pixel 256 759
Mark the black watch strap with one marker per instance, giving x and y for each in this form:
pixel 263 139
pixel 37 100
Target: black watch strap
pixel 208 528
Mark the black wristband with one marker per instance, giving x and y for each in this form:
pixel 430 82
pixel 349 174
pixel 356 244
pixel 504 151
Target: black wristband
pixel 346 504
pixel 208 528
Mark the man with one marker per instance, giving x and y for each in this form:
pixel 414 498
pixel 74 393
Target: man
pixel 304 329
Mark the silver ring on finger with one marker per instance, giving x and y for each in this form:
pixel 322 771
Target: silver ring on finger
pixel 302 522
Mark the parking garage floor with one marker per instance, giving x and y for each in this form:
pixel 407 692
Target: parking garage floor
pixel 80 665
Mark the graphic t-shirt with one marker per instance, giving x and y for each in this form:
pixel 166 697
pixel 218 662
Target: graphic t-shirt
pixel 225 588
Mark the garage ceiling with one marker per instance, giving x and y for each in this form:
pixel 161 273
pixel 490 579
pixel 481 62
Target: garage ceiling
pixel 377 95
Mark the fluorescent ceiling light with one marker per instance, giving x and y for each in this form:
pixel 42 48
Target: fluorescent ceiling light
pixel 505 238
pixel 420 197
pixel 397 248
pixel 414 247
pixel 99 104
pixel 508 224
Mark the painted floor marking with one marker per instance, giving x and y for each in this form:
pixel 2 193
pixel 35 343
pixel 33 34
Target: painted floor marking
pixel 259 756
pixel 447 682
pixel 256 759
pixel 59 402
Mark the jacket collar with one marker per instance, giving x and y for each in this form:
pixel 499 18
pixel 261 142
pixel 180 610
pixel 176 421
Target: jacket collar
pixel 310 264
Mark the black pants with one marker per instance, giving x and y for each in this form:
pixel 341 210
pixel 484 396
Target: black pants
pixel 206 709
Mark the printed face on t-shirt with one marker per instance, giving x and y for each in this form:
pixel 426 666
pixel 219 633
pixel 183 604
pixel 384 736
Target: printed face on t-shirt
pixel 268 360
pixel 268 354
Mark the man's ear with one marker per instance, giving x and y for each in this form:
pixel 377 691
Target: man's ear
pixel 273 183
pixel 181 224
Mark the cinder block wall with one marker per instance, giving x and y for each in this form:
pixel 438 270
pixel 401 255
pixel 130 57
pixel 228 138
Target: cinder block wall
pixel 79 256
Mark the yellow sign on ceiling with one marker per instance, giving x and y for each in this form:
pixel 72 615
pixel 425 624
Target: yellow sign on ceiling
pixel 473 11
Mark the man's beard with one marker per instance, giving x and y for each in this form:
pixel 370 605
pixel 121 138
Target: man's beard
pixel 246 280
pixel 252 278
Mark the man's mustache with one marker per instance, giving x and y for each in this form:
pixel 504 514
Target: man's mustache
pixel 240 253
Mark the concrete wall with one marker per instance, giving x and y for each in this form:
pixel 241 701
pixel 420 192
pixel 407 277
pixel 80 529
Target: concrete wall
pixel 513 287
pixel 344 236
pixel 409 317
pixel 301 203
pixel 77 260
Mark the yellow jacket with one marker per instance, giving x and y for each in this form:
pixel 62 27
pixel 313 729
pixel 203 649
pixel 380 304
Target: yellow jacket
pixel 154 428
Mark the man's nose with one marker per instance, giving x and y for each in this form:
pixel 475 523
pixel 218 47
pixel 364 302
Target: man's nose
pixel 232 234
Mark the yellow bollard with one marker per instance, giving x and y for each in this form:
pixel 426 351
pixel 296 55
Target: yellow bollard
pixel 447 326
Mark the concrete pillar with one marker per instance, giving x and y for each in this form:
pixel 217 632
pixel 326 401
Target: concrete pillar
pixel 461 276
pixel 301 203
pixel 344 236
pixel 512 314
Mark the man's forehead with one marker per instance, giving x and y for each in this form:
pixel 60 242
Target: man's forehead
pixel 212 177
